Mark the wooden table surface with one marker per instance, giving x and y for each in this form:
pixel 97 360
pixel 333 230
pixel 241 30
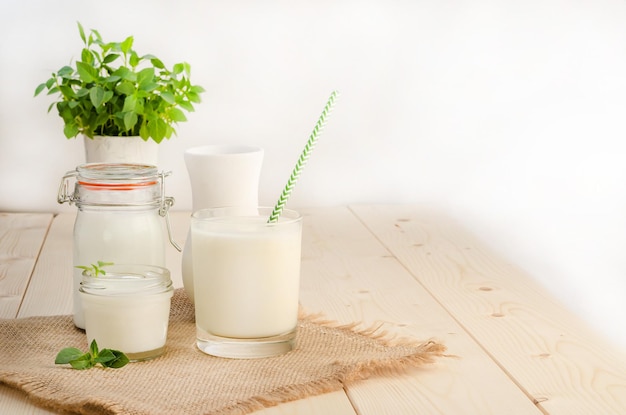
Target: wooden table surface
pixel 413 271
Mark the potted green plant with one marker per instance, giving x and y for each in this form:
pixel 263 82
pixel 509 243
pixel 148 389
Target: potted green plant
pixel 114 92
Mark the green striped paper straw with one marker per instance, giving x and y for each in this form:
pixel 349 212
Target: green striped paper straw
pixel 304 157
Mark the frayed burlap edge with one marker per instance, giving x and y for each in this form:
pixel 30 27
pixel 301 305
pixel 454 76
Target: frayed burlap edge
pixel 31 387
pixel 348 376
pixel 427 353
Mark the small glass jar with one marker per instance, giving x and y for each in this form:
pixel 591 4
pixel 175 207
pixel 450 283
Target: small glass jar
pixel 128 308
pixel 119 219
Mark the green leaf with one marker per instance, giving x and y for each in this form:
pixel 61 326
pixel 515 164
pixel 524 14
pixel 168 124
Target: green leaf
pixel 108 95
pixel 93 348
pixel 186 105
pixel 67 92
pixel 67 355
pixel 70 130
pixel 112 79
pixel 110 58
pixel 134 59
pixel 178 68
pixel 155 61
pixel 126 74
pixel 193 97
pixel 66 72
pixel 157 129
pixel 168 97
pixel 39 88
pixel 101 123
pixel 130 102
pixel 119 360
pixel 145 76
pixel 197 89
pixel 177 115
pixel 96 94
pixel 81 31
pixel 127 44
pixel 87 57
pixel 86 72
pixel 125 88
pixel 104 356
pixel 130 119
pixel 143 131
pixel 83 362
pixel 148 86
pixel 98 37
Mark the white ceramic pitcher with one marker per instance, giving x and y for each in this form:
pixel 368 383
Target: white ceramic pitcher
pixel 220 175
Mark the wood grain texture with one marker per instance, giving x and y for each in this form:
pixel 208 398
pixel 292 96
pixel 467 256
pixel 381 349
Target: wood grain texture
pixel 50 289
pixel 335 403
pixel 349 276
pixel 560 362
pixel 21 238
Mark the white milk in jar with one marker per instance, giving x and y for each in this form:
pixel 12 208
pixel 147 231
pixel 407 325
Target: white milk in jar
pixel 127 308
pixel 119 219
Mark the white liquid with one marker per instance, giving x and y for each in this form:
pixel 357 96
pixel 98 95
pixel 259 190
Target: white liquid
pixel 121 237
pixel 246 283
pixel 130 324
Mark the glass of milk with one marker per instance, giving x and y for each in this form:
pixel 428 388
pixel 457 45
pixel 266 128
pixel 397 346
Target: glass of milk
pixel 128 308
pixel 246 281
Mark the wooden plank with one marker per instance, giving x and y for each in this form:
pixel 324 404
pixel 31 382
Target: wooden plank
pixel 14 402
pixel 21 238
pixel 349 276
pixel 50 289
pixel 564 365
pixel 335 403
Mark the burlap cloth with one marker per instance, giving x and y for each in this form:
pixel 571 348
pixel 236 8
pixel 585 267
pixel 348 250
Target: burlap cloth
pixel 187 381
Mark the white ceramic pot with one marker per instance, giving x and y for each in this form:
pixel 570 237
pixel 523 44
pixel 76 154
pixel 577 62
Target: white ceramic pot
pixel 102 149
pixel 220 175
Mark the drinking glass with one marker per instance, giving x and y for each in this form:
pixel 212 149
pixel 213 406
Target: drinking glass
pixel 246 275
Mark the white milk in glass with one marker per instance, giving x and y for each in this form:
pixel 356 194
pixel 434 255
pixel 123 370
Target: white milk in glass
pixel 246 277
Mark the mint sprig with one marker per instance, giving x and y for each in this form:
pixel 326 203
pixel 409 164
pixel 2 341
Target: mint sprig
pixel 85 360
pixel 95 269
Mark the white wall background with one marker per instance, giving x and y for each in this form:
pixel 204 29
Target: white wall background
pixel 508 115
